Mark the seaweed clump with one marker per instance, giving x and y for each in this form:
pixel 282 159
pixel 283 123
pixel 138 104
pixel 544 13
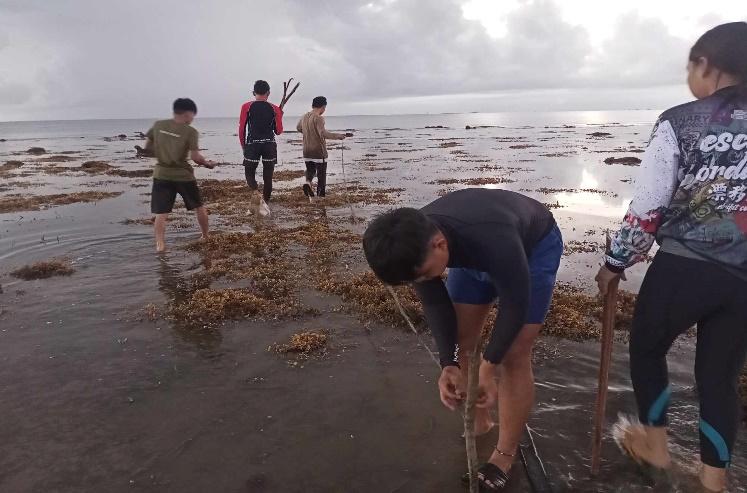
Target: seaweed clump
pixel 210 306
pixel 134 173
pixel 571 314
pixel 338 196
pixel 95 167
pixel 576 315
pixel 304 344
pixel 9 166
pixel 288 175
pixel 260 261
pixel 44 270
pixel 625 161
pixel 39 202
pixel 483 180
pixel 586 246
pixel 371 299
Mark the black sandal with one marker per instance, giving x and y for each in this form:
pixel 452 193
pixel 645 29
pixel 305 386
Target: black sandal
pixel 490 476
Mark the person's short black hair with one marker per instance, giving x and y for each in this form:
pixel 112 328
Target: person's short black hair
pixel 183 105
pixel 319 102
pixel 396 244
pixel 261 87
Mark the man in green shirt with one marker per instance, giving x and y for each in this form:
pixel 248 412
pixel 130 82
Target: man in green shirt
pixel 172 142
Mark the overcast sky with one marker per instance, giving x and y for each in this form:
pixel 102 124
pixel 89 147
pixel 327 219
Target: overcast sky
pixel 71 59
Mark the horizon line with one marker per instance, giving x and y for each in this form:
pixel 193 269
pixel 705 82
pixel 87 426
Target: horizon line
pixel 343 115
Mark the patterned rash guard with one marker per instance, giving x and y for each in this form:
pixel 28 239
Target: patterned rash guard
pixel 691 193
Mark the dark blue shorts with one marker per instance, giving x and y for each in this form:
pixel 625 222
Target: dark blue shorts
pixel 472 287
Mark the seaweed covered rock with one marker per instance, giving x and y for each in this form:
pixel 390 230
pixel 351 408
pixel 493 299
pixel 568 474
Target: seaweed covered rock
pixel 370 298
pixel 9 166
pixel 39 202
pixel 625 161
pixel 303 344
pixel 44 270
pixel 95 167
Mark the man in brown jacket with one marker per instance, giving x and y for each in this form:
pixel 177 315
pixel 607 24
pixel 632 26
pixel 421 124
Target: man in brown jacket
pixel 315 136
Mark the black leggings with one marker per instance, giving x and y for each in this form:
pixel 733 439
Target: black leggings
pixel 320 171
pixel 267 152
pixel 250 172
pixel 676 294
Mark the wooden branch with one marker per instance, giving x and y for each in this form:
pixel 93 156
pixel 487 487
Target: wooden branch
pixel 468 407
pixel 468 414
pixel 605 360
pixel 286 94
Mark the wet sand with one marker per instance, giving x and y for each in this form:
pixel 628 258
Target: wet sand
pixel 95 396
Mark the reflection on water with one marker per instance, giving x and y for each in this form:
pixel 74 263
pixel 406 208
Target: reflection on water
pixel 172 282
pixel 603 203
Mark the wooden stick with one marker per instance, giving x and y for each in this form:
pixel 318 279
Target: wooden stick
pixel 468 414
pixel 290 94
pixel 286 95
pixel 468 408
pixel 411 325
pixel 600 407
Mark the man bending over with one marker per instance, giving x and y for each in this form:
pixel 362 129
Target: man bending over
pixel 497 245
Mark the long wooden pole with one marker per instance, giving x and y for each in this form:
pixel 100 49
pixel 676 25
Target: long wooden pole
pixel 468 408
pixel 600 407
pixel 468 414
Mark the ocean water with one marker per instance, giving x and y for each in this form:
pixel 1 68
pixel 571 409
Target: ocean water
pixel 95 398
pixel 549 156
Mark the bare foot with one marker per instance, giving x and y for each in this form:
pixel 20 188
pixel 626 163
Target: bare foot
pixel 634 440
pixel 160 247
pixel 713 479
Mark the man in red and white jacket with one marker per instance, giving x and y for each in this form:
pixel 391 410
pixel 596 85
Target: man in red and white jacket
pixel 259 122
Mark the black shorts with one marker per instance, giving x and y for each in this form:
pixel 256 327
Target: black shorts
pixel 266 151
pixel 164 194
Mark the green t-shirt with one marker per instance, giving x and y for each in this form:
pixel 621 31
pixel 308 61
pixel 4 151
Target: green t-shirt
pixel 171 144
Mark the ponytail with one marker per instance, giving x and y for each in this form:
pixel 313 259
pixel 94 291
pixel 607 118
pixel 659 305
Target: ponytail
pixel 725 47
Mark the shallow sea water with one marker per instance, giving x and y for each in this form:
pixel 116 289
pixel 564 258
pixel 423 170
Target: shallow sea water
pixel 96 398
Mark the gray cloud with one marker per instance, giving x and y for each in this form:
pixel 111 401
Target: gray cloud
pixel 641 52
pixel 96 58
pixel 412 47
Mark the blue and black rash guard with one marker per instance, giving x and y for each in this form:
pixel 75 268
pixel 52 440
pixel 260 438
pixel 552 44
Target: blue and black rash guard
pixel 691 194
pixel 492 231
